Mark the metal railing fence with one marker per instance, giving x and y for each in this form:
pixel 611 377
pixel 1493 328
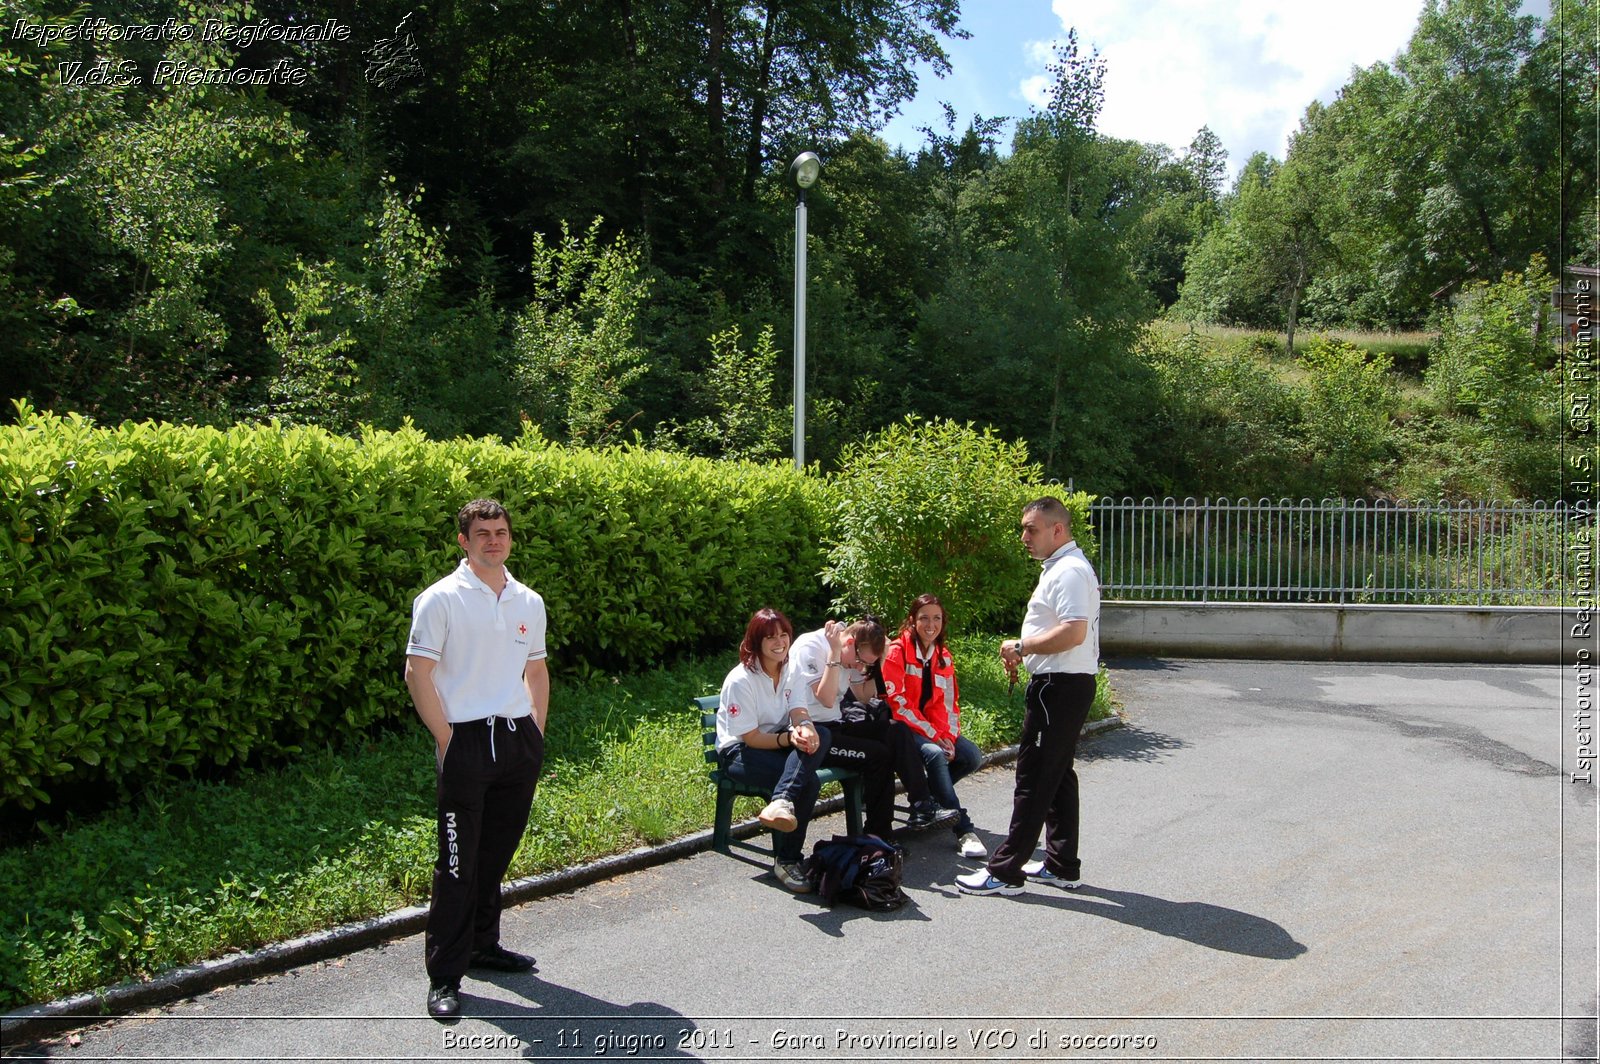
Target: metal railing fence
pixel 1341 551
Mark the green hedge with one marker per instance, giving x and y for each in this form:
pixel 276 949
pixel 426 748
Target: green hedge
pixel 176 597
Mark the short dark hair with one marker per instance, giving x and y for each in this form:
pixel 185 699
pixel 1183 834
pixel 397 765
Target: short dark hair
pixel 868 633
pixel 480 510
pixel 764 624
pixel 1052 509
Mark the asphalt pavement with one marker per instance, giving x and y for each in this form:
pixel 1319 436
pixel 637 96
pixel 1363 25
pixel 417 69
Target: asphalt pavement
pixel 1282 861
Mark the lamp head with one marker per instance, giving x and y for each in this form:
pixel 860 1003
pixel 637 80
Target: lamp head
pixel 805 168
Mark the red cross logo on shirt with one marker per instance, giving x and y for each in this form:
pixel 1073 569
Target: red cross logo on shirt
pixel 522 629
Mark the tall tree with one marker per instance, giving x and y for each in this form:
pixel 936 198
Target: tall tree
pixel 1034 329
pixel 1207 160
pixel 1461 129
pixel 1468 154
pixel 824 69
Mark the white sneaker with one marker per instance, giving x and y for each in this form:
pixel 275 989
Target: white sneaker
pixel 779 815
pixel 971 846
pixel 793 876
pixel 1036 871
pixel 981 882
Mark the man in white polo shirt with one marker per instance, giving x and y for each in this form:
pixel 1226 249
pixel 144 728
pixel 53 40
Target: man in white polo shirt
pixel 475 666
pixel 1060 645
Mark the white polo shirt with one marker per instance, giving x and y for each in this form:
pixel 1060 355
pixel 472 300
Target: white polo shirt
pixel 749 701
pixel 482 643
pixel 808 663
pixel 1068 590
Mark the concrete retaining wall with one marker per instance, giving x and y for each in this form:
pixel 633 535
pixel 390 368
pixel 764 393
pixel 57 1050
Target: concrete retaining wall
pixel 1325 632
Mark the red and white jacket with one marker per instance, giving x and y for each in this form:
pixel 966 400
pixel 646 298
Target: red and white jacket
pixel 903 678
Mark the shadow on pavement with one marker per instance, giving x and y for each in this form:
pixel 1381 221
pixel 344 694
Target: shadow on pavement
pixel 1466 740
pixel 565 1021
pixel 1130 743
pixel 1579 1037
pixel 1117 665
pixel 1204 924
pixel 831 922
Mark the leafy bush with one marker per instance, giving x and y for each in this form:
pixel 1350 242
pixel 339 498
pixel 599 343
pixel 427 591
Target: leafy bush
pixel 934 507
pixel 1345 402
pixel 1494 365
pixel 744 420
pixel 577 342
pixel 1229 424
pixel 361 342
pixel 1493 346
pixel 173 598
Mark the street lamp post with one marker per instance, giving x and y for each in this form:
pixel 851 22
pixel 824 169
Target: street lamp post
pixel 804 170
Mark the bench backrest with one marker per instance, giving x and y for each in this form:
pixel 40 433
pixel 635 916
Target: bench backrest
pixel 708 724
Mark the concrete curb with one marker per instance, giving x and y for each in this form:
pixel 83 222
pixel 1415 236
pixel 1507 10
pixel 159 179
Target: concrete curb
pixel 1299 631
pixel 55 1017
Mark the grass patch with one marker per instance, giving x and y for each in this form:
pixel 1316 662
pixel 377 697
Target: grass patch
pixel 195 870
pixel 1408 350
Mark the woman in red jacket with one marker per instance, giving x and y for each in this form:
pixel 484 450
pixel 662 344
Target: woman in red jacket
pixel 920 678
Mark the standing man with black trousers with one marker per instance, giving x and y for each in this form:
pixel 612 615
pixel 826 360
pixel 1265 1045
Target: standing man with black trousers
pixel 1060 645
pixel 476 670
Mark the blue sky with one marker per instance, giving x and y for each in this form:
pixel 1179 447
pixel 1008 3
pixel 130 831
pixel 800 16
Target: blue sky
pixel 1246 68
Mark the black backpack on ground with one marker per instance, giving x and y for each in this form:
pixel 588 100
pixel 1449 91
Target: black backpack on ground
pixel 863 870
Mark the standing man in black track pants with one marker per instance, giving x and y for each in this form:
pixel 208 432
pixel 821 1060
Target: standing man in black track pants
pixel 475 667
pixel 1060 645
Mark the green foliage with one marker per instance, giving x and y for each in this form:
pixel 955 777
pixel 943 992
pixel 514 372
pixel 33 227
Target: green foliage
pixel 1345 405
pixel 172 598
pixel 404 257
pixel 1494 365
pixel 1229 424
pixel 576 346
pixel 1033 330
pixel 745 423
pixel 1464 156
pixel 1445 457
pixel 1221 280
pixel 1185 196
pixel 1255 266
pixel 1238 419
pixel 1236 423
pixel 1493 346
pixel 316 380
pixel 157 188
pixel 140 226
pixel 935 507
pixel 374 339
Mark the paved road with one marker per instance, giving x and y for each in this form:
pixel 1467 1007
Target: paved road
pixel 1282 861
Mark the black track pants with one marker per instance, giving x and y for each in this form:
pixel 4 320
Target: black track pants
pixel 866 747
pixel 485 791
pixel 1046 795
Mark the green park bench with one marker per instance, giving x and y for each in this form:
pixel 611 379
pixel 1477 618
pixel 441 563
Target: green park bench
pixel 729 789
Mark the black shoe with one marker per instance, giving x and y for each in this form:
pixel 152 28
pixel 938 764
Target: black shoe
pixel 500 959
pixel 926 814
pixel 444 1001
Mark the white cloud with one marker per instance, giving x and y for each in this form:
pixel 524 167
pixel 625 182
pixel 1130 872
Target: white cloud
pixel 1246 69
